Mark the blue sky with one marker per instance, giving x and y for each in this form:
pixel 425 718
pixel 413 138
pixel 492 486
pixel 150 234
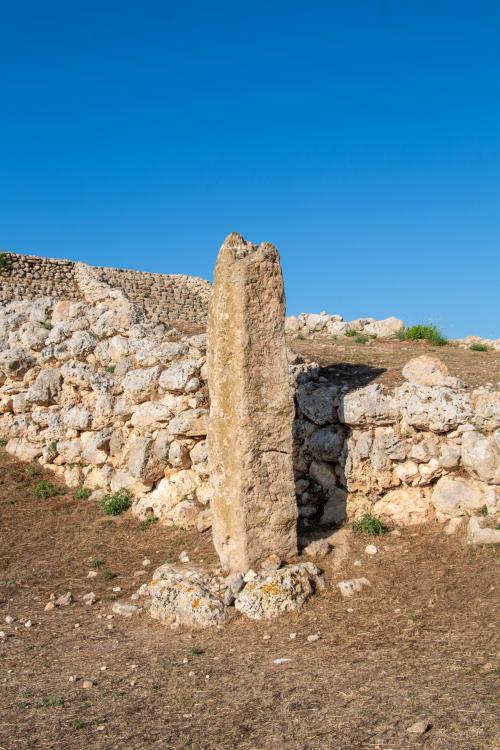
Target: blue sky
pixel 362 138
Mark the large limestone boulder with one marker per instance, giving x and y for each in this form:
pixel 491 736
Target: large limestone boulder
pixel 190 423
pixel 251 408
pixel 476 534
pixel 326 444
pixel 318 402
pixel 368 405
pixel 481 455
pixel 274 593
pixel 404 506
pixel 425 370
pixel 176 377
pixel 179 486
pixel 457 496
pixel 435 409
pixel 183 596
pixel 47 387
pixel 140 385
pixel 16 362
pixel 486 406
pixel 384 328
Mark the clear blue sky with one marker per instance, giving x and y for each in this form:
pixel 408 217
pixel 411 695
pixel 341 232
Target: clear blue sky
pixel 362 138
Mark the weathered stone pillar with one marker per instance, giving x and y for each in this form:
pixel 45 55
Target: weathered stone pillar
pixel 251 408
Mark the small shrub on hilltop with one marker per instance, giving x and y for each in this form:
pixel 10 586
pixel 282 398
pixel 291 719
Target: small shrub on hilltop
pixel 361 338
pixel 477 347
pixel 420 332
pixel 114 505
pixel 351 332
pixel 370 525
pixel 3 262
pixel 45 489
pixel 3 442
pixel 107 575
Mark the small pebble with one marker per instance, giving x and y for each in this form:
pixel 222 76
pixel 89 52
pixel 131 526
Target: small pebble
pixel 116 589
pixel 293 636
pixel 266 637
pixel 281 661
pixel 3 634
pixel 184 557
pixel 146 563
pixel 92 574
pixel 313 638
pixel 371 549
pixel 49 606
pixel 249 575
pixel 73 678
pixel 86 684
pixel 28 624
pixel 9 620
pixel 420 727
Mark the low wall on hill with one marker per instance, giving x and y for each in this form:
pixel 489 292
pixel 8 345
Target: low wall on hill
pixel 164 297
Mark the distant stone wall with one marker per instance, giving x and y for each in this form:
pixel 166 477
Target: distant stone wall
pixel 28 277
pixel 168 296
pixel 165 297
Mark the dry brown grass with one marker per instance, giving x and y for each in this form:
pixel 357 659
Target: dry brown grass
pixel 420 643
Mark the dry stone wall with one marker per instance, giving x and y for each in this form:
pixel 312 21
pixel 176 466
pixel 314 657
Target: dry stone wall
pixel 429 448
pixel 164 297
pixel 102 395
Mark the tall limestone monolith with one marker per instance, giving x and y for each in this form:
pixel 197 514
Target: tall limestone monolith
pixel 251 408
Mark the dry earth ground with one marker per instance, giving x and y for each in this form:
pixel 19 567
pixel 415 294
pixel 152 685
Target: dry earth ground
pixel 420 643
pixel 382 360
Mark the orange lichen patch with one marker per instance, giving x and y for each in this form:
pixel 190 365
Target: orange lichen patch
pixel 196 604
pixel 271 589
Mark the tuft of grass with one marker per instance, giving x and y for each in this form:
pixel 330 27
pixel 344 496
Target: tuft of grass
pixel 107 575
pixel 370 525
pixel 361 338
pixel 350 332
pixel 430 333
pixel 484 510
pixel 77 724
pixel 95 563
pixel 22 705
pixel 32 471
pixel 147 523
pixel 412 616
pixel 3 442
pixel 117 503
pixel 83 493
pixel 47 324
pixel 111 369
pixel 51 701
pixel 300 337
pixel 45 489
pixel 477 347
pixel 4 263
pixel 194 651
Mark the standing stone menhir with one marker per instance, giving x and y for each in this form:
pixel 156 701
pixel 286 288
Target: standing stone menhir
pixel 251 408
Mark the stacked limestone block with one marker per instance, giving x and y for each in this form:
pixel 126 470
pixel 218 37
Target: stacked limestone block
pixel 105 399
pixel 428 448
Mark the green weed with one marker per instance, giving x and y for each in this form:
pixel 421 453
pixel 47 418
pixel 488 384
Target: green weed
pixel 114 505
pixel 370 525
pixel 45 489
pixel 83 493
pixel 430 333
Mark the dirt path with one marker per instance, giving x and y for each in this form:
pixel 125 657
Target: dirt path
pixel 420 643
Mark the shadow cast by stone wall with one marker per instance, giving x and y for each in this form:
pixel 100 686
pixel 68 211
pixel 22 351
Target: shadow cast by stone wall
pixel 321 443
